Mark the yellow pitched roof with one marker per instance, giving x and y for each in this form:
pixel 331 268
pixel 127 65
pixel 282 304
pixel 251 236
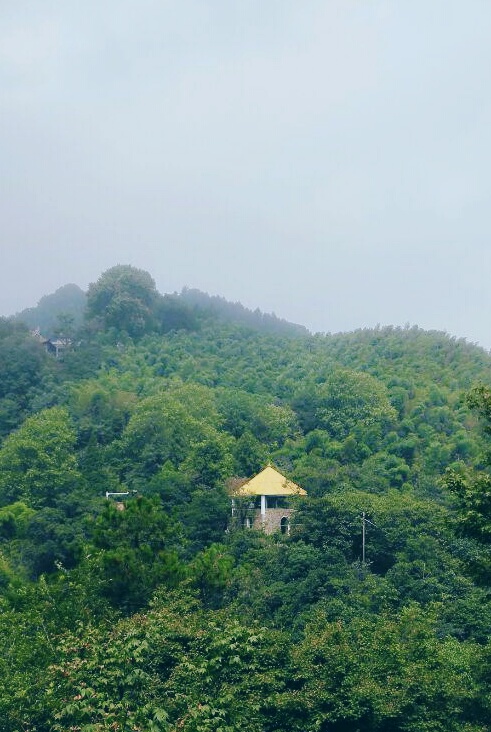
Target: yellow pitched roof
pixel 269 482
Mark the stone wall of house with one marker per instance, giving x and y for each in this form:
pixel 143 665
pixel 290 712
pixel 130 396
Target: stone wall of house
pixel 271 521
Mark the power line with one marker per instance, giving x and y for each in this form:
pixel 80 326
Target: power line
pixel 365 521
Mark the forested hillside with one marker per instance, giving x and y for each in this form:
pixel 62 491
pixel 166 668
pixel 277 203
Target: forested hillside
pixel 61 311
pixel 166 616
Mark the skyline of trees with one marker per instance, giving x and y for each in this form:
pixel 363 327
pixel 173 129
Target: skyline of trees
pixel 163 616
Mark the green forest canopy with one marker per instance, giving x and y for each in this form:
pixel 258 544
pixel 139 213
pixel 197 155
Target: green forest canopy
pixel 165 616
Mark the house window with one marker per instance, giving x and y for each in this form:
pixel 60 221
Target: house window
pixel 285 525
pixel 276 502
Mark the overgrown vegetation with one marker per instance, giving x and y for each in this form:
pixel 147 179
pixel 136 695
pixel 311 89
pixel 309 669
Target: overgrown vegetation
pixel 159 617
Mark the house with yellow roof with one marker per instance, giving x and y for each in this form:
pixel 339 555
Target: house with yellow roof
pixel 269 507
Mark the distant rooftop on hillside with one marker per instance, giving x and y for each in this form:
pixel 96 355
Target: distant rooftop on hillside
pixel 270 482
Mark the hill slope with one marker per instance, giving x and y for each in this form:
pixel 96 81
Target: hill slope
pixel 67 303
pixel 374 613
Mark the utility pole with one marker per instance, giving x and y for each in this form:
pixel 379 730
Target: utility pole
pixel 363 538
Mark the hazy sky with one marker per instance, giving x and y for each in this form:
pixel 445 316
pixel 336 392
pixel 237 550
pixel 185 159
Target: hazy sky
pixel 326 160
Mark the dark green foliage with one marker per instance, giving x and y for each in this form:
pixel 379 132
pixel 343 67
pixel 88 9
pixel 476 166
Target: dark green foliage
pixel 172 314
pixel 180 666
pixel 344 402
pixel 123 298
pixel 37 463
pixel 164 616
pixel 211 572
pixel 237 313
pixel 14 520
pixel 21 363
pixel 250 454
pixel 205 517
pixel 384 673
pixel 473 488
pixel 137 547
pixel 60 313
pixel 164 430
pixel 23 366
pixel 101 410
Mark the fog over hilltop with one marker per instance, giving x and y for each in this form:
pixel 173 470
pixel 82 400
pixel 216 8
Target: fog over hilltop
pixel 328 162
